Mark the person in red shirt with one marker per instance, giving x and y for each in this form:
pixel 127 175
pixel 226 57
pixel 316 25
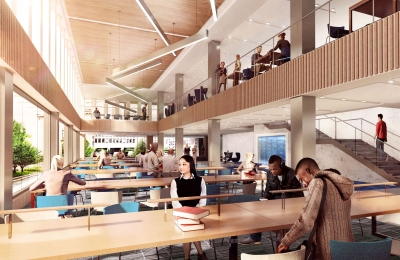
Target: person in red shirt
pixel 381 136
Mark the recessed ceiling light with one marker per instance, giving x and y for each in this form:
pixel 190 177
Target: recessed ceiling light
pixel 201 61
pixel 316 5
pixel 317 109
pixel 283 26
pixel 267 23
pixel 250 20
pixel 259 119
pixel 390 81
pixel 245 40
pixel 344 99
pixel 191 69
pixel 333 110
pixel 363 101
pixel 333 9
pixel 230 37
pixel 322 97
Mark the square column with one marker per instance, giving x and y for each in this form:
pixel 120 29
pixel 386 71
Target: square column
pixel 68 144
pixel 51 130
pixel 127 105
pixel 81 146
pixel 178 142
pixel 214 141
pixel 149 141
pixel 303 133
pixel 302 34
pixel 214 60
pixel 105 109
pixel 160 140
pixel 6 139
pixel 179 92
pixel 77 146
pixel 115 109
pixel 139 108
pixel 160 105
pixel 150 111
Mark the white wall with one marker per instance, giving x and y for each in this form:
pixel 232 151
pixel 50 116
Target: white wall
pixel 343 131
pixel 328 156
pixel 241 143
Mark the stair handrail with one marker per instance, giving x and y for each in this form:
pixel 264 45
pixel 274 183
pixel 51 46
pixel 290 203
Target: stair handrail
pixel 353 119
pixel 340 120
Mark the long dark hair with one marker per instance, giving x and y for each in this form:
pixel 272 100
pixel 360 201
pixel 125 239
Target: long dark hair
pixel 190 160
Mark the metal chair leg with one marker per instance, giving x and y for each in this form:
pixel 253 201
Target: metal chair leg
pixel 170 252
pixel 359 221
pixel 158 256
pixel 215 251
pixel 272 242
pixel 222 242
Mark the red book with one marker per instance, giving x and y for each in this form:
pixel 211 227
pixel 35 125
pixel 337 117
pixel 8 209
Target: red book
pixel 190 212
pixel 186 221
pixel 188 227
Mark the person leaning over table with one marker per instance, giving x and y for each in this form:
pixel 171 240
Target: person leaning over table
pixel 120 155
pixel 55 182
pixel 335 221
pixel 279 177
pixel 57 163
pixel 187 185
pixel 104 160
pixel 282 43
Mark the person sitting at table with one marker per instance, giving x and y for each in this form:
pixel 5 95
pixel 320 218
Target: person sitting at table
pixel 169 162
pixel 187 185
pixel 257 67
pixel 334 213
pixel 120 155
pixel 279 177
pixel 248 164
pixel 143 159
pixel 138 155
pixel 222 76
pixel 152 161
pixel 104 160
pixel 57 163
pixel 55 182
pixel 282 44
pixel 236 71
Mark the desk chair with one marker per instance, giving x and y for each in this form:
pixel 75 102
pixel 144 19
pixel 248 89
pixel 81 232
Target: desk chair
pixel 154 195
pixel 200 172
pixel 107 116
pixel 361 250
pixel 295 255
pixel 336 32
pixel 123 207
pixel 212 189
pixel 237 158
pixel 143 189
pixel 117 116
pixel 113 197
pixel 284 57
pixel 55 201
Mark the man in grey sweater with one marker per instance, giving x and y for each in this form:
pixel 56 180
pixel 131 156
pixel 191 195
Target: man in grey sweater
pixel 152 161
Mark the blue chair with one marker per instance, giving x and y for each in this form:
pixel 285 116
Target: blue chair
pixel 123 207
pixel 243 198
pixel 225 172
pixel 55 201
pixel 212 189
pixel 108 167
pixel 200 172
pixel 140 175
pixel 361 250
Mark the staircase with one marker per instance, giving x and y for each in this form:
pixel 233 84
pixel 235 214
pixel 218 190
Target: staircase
pixel 367 152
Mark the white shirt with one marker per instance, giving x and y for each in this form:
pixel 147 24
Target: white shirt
pixel 174 193
pixel 169 163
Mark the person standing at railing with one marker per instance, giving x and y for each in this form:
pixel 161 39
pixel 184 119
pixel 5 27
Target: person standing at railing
pixel 236 71
pixel 381 136
pixel 96 113
pixel 144 112
pixel 222 76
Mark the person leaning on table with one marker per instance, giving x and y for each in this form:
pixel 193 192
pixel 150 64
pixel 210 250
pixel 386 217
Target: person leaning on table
pixel 188 185
pixel 335 221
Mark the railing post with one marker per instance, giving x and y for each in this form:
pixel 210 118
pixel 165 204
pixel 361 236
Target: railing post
pixel 355 140
pixel 335 128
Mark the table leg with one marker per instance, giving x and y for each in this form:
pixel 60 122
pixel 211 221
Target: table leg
pixel 32 199
pixel 233 248
pixel 374 229
pixel 262 188
pixel 279 235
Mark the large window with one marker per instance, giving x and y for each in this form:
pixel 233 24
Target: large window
pixel 270 145
pixel 28 142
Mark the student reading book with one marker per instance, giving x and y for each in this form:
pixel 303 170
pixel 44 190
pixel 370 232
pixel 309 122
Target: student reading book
pixel 189 184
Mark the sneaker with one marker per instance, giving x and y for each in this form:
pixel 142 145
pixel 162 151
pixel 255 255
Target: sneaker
pixel 249 241
pixel 202 257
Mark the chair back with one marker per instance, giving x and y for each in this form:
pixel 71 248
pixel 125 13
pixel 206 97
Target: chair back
pixel 212 189
pixel 82 168
pixel 332 30
pixel 108 167
pixel 225 172
pixel 116 116
pixel 295 255
pixel 286 51
pixel 361 250
pixel 108 116
pixel 250 188
pixel 111 197
pixel 167 112
pixel 34 216
pixel 200 172
pixel 103 176
pixel 243 198
pixel 197 95
pixel 165 193
pixel 55 201
pixel 123 207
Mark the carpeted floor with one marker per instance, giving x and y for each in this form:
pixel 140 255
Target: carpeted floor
pixel 222 245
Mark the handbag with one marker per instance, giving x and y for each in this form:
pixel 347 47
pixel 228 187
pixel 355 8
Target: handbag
pixel 309 242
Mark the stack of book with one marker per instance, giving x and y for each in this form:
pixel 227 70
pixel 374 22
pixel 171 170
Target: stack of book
pixel 188 218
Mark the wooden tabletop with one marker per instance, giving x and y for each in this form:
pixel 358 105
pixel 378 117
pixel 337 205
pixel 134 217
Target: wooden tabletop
pixel 267 58
pixel 113 233
pixel 109 171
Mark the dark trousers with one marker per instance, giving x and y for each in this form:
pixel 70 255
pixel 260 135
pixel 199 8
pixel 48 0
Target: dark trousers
pixel 379 147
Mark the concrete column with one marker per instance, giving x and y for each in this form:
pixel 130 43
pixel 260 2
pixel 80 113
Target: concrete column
pixel 82 146
pixel 160 140
pixel 51 132
pixel 214 141
pixel 68 144
pixel 160 104
pixel 127 105
pixel 214 59
pixel 150 111
pixel 139 108
pixel 302 117
pixel 115 109
pixel 149 141
pixel 105 109
pixel 302 34
pixel 77 146
pixel 93 106
pixel 178 142
pixel 6 139
pixel 179 92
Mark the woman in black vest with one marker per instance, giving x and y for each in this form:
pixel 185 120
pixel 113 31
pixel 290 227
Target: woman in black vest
pixel 189 184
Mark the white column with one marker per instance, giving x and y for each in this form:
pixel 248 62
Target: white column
pixel 214 141
pixel 213 61
pixel 6 139
pixel 51 133
pixel 150 111
pixel 81 146
pixel 68 144
pixel 179 92
pixel 302 117
pixel 115 109
pixel 105 109
pixel 160 140
pixel 139 108
pixel 77 146
pixel 93 106
pixel 178 142
pixel 127 105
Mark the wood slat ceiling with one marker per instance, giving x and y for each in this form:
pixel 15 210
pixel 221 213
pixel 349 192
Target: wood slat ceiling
pixel 98 54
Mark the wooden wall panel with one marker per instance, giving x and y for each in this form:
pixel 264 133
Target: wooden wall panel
pixel 366 52
pixel 17 50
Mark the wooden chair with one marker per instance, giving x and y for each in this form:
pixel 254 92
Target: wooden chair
pixel 295 255
pixel 111 197
pixel 34 216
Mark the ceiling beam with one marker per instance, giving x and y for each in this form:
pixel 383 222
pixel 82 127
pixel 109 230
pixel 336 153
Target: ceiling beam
pixel 138 69
pixel 154 22
pixel 118 105
pixel 121 87
pixel 214 10
pixel 200 36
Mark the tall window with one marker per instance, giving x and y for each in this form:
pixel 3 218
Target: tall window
pixel 270 145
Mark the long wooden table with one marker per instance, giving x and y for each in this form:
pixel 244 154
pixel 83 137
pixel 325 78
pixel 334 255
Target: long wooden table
pixel 115 233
